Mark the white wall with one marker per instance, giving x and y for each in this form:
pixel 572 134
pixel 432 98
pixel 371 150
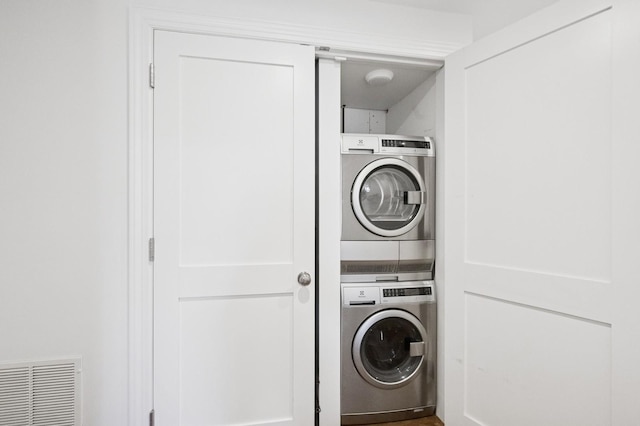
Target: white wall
pixel 440 241
pixel 415 114
pixel 488 15
pixel 491 17
pixel 63 170
pixel 357 16
pixel 421 113
pixel 63 192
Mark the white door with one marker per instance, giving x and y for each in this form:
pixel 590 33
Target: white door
pixel 233 227
pixel 542 208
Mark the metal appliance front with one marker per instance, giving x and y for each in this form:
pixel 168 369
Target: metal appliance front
pixel 388 207
pixel 388 348
pixel 388 198
pixel 388 351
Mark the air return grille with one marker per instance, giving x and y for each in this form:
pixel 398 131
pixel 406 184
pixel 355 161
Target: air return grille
pixel 14 396
pixel 40 394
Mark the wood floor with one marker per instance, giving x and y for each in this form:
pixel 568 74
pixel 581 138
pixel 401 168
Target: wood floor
pixel 425 421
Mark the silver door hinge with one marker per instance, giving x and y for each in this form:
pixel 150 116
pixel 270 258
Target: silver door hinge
pixel 152 249
pixel 152 76
pixel 152 418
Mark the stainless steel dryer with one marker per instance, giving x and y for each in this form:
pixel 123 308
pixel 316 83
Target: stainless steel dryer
pixel 388 357
pixel 388 187
pixel 388 200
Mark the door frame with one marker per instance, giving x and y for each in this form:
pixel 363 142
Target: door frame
pixel 142 24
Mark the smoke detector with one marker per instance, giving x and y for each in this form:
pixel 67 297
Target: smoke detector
pixel 379 77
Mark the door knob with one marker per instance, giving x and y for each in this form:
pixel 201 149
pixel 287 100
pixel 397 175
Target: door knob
pixel 304 278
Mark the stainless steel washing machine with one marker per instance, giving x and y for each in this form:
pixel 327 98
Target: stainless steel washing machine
pixel 388 204
pixel 388 354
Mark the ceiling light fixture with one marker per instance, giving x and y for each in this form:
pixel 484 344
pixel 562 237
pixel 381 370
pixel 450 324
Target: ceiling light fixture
pixel 379 77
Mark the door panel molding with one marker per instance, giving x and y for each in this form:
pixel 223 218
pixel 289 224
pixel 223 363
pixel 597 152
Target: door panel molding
pixel 519 310
pixel 580 347
pixel 212 94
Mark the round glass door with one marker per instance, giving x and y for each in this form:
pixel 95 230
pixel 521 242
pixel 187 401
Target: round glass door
pixel 388 349
pixel 387 197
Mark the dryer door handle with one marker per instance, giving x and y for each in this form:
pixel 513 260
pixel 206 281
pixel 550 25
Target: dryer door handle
pixel 416 349
pixel 415 197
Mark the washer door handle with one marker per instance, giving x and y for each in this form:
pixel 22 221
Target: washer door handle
pixel 416 349
pixel 304 278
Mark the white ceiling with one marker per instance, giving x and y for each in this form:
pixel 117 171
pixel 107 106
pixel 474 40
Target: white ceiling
pixel 487 15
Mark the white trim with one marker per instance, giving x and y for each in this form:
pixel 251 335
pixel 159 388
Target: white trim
pixel 140 272
pixel 343 55
pixel 142 23
pixel 336 40
pixel 329 226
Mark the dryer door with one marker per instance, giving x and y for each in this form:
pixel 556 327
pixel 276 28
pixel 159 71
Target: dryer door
pixel 389 348
pixel 388 197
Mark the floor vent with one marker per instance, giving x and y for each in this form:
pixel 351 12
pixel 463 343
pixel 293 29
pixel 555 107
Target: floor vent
pixel 40 393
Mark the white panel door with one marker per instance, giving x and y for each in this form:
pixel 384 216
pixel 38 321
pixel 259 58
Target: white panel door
pixel 541 221
pixel 233 226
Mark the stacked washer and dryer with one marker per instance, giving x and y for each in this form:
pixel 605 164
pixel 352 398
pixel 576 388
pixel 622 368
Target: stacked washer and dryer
pixel 388 315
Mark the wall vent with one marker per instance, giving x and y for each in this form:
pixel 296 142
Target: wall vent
pixel 45 393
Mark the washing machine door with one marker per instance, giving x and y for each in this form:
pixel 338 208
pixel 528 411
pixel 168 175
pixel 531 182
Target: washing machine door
pixel 389 348
pixel 388 197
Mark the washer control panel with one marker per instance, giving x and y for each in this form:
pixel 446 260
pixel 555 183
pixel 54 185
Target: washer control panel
pixel 380 293
pixel 362 143
pixel 403 291
pixel 400 143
